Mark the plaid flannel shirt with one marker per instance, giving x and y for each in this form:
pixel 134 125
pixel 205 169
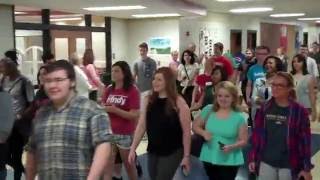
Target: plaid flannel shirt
pixel 64 140
pixel 298 137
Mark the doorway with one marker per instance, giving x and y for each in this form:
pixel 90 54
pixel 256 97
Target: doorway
pixel 235 41
pixel 251 39
pixel 65 43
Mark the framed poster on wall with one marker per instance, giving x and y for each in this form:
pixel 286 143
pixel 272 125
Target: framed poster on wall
pixel 160 45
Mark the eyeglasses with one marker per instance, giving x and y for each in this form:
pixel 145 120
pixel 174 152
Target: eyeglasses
pixel 55 80
pixel 276 85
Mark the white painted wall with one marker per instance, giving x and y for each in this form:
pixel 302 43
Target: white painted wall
pixel 143 29
pixel 6 29
pixel 220 24
pixel 119 39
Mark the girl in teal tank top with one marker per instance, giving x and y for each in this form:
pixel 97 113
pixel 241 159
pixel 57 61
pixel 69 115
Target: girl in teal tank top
pixel 225 132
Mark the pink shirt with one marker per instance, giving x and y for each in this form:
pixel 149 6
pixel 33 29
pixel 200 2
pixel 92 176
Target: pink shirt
pixel 92 74
pixel 125 100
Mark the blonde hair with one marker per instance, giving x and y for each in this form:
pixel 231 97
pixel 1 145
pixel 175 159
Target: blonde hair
pixel 232 89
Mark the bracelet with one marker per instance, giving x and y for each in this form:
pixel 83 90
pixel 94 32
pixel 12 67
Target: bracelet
pixel 186 156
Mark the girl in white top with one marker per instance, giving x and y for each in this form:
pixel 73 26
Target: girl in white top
pixel 83 86
pixel 304 84
pixel 187 71
pixel 261 91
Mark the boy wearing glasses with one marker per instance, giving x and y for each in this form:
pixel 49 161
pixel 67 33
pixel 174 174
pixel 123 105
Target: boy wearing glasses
pixel 71 134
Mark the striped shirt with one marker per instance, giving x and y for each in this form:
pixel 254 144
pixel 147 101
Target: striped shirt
pixel 298 137
pixel 64 140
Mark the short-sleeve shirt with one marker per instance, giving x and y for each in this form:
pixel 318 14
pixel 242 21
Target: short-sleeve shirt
pixel 302 90
pixel 191 70
pixel 64 140
pixel 21 91
pixel 276 152
pixel 225 63
pixel 256 71
pixel 225 131
pixel 125 100
pixel 6 116
pixel 312 67
pixel 144 69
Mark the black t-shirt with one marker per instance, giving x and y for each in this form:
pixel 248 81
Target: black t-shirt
pixel 276 151
pixel 163 129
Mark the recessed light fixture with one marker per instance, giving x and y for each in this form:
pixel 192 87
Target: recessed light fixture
pixel 287 15
pixel 66 19
pixel 230 0
pixel 114 8
pixel 317 21
pixel 156 15
pixel 309 19
pixel 19 12
pixel 251 10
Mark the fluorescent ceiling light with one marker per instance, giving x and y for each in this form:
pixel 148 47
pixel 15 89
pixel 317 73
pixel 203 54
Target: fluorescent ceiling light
pixel 309 19
pixel 287 15
pixel 65 15
pixel 156 15
pixel 251 10
pixel 66 19
pixel 114 8
pixel 18 12
pixel 230 0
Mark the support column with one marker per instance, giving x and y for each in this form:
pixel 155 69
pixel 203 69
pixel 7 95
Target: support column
pixel 108 47
pixel 6 28
pixel 46 35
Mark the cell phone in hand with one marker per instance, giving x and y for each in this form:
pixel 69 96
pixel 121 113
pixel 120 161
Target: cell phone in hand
pixel 221 145
pixel 184 171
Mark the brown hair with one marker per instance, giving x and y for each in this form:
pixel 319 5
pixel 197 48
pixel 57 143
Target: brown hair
pixel 88 57
pixel 170 88
pixel 290 83
pixel 143 45
pixel 219 45
pixel 232 89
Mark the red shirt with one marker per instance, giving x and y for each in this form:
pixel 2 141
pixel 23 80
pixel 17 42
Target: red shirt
pixel 225 63
pixel 125 100
pixel 201 81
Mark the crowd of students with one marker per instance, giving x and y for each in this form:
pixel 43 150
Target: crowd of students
pixel 72 137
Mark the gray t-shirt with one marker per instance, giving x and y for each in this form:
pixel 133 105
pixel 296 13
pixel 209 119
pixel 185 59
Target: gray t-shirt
pixel 144 69
pixel 21 91
pixel 276 151
pixel 6 116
